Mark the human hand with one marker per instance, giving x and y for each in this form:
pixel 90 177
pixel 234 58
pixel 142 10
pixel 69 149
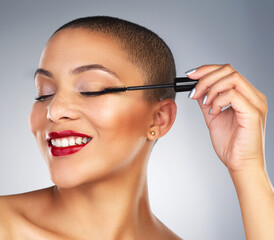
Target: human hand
pixel 237 134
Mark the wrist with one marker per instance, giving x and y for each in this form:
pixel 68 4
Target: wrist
pixel 251 178
pixel 256 199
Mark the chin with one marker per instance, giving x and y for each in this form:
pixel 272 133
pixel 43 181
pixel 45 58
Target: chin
pixel 69 177
pixel 64 181
pixel 78 170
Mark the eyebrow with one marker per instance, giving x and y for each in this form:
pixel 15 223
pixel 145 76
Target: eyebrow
pixel 93 67
pixel 78 70
pixel 43 72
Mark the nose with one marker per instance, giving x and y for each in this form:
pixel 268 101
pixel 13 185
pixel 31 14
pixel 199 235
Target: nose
pixel 62 108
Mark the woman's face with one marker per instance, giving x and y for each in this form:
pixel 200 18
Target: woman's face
pixel 115 125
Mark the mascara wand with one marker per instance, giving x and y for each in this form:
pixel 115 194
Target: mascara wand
pixel 181 84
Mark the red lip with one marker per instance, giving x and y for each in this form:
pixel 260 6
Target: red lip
pixel 66 133
pixel 62 151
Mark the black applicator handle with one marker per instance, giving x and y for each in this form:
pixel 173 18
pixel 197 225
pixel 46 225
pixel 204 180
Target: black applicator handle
pixel 183 84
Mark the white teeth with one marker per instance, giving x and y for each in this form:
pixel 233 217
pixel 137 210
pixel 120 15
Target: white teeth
pixel 64 142
pixel 53 142
pixel 72 142
pixel 58 143
pixel 78 140
pixel 69 141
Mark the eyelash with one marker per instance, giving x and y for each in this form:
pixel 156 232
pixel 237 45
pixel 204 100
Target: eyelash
pixel 42 98
pixel 87 94
pixel 91 94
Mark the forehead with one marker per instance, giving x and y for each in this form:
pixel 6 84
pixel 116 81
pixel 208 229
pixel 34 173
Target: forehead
pixel 70 48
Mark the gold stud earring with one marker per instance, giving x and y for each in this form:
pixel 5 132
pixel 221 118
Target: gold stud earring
pixel 152 133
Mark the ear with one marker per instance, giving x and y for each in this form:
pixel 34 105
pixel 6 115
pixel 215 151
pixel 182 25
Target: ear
pixel 163 118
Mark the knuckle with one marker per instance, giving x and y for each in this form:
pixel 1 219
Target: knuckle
pixel 257 114
pixel 264 98
pixel 235 75
pixel 264 109
pixel 228 66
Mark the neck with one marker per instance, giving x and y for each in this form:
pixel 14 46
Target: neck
pixel 109 209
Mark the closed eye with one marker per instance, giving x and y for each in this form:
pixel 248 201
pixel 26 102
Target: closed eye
pixel 95 93
pixel 104 91
pixel 43 97
pixel 90 93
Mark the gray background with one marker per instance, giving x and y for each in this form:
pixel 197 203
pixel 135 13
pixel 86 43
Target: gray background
pixel 190 189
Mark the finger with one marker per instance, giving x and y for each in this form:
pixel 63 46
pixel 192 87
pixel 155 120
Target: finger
pixel 210 78
pixel 205 111
pixel 237 82
pixel 242 107
pixel 203 70
pixel 262 96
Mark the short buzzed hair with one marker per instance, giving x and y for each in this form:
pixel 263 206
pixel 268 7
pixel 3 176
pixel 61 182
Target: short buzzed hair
pixel 144 48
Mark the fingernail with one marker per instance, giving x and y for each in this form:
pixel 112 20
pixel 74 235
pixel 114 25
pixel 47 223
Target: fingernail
pixel 191 94
pixel 204 100
pixel 190 71
pixel 209 111
pixel 224 108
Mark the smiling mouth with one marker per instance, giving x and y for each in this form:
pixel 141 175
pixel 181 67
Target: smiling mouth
pixel 67 142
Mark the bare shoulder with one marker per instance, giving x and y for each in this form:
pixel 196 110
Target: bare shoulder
pixel 4 218
pixel 14 209
pixel 21 202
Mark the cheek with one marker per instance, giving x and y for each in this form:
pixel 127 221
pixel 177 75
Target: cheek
pixel 120 116
pixel 37 122
pixel 120 134
pixel 34 119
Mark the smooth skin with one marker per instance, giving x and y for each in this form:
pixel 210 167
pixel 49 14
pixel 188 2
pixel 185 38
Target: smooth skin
pixel 102 194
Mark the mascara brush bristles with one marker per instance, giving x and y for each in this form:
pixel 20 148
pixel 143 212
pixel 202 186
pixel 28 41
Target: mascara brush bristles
pixel 105 91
